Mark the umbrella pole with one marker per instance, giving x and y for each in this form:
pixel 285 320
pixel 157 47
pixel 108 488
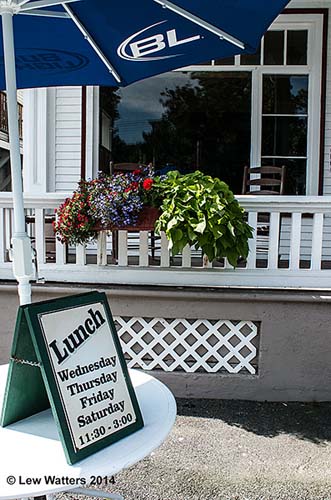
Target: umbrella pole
pixel 21 244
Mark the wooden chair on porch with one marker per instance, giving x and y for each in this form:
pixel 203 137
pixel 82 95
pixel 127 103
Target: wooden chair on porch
pixel 265 180
pixel 49 235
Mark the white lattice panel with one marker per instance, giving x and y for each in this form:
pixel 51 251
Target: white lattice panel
pixel 189 345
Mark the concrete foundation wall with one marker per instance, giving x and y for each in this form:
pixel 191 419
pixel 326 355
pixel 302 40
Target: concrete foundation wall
pixel 294 351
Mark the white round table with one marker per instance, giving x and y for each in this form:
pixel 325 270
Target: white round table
pixel 31 449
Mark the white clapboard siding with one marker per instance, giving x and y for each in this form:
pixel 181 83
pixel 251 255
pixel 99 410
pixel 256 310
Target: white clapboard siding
pixel 67 114
pixel 67 171
pixel 306 237
pixel 62 101
pixel 327 150
pixel 70 164
pixel 68 123
pixel 64 186
pixel 68 148
pixel 69 137
pixel 20 95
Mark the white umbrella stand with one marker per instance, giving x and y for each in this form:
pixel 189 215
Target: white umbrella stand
pixel 21 243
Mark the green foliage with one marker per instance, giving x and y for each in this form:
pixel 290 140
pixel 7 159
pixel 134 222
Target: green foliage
pixel 201 210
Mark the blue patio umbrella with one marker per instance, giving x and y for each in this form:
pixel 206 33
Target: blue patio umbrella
pixel 113 43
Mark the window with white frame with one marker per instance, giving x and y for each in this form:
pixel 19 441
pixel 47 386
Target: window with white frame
pixel 259 109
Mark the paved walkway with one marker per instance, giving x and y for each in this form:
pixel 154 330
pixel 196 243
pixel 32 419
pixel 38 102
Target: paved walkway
pixel 237 450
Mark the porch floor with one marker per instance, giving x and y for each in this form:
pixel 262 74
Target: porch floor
pixel 237 450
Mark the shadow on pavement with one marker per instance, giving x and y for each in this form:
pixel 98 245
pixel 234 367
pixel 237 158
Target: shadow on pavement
pixel 308 421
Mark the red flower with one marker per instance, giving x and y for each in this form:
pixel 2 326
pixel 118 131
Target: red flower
pixel 147 184
pixel 133 186
pixel 137 172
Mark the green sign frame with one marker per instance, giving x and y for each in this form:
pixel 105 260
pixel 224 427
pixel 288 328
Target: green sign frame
pixel 75 366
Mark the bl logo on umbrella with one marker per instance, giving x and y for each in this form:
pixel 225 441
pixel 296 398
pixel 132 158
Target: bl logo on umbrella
pixel 142 47
pixel 49 60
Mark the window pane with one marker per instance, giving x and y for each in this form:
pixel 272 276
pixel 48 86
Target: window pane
pixel 186 121
pixel 295 174
pixel 284 136
pixel 285 94
pixel 297 47
pixel 274 47
pixel 5 174
pixel 251 59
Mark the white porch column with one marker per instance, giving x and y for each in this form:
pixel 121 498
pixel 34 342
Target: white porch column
pixel 38 144
pixel 92 131
pixel 21 245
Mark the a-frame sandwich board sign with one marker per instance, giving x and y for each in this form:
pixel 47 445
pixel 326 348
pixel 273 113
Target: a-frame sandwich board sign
pixel 66 354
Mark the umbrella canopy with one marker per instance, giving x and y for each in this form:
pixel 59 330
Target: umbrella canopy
pixel 103 42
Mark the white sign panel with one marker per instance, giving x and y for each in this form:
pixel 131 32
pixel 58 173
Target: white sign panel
pixel 88 373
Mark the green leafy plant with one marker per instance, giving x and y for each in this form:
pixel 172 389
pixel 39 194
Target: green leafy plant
pixel 202 211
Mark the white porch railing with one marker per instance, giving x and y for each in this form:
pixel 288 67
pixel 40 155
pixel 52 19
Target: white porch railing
pixel 291 248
